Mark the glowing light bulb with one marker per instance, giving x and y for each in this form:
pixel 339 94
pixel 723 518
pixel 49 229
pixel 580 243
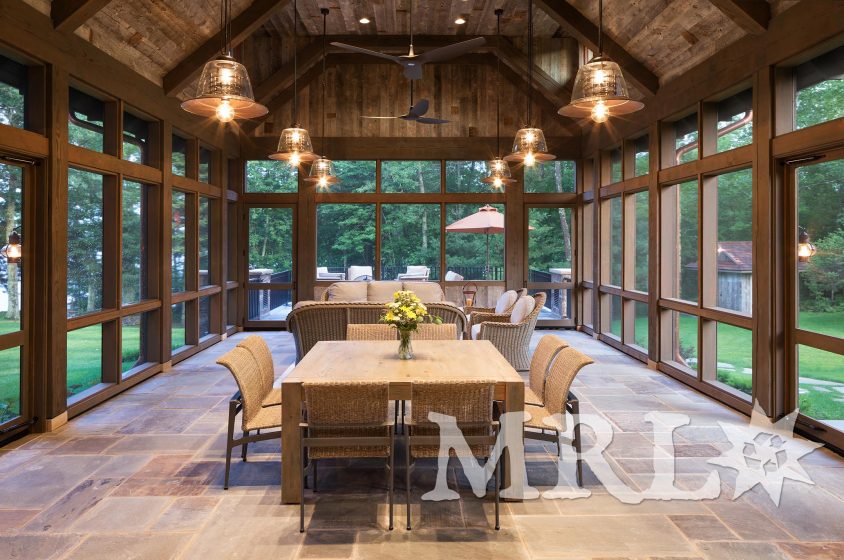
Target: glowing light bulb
pixel 224 111
pixel 498 183
pixel 295 160
pixel 600 113
pixel 226 76
pixel 530 137
pixel 499 166
pixel 530 160
pixel 295 137
pixel 601 77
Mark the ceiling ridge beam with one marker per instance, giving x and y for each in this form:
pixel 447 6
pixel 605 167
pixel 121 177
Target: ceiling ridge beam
pixel 242 26
pixel 751 15
pixel 68 15
pixel 581 28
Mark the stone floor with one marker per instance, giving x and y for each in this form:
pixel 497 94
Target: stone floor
pixel 141 477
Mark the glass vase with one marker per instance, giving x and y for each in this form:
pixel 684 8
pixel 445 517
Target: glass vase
pixel 405 349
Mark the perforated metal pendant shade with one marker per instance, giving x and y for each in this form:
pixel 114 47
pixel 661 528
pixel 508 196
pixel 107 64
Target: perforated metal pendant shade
pixel 498 173
pixel 529 147
pixel 600 84
pixel 224 91
pixel 294 146
pixel 322 173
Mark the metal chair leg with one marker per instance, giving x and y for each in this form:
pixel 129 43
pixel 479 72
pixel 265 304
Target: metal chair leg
pixel 396 417
pixel 391 482
pixel 403 413
pixel 407 475
pixel 302 487
pixel 577 441
pixel 229 438
pixel 245 444
pixel 497 494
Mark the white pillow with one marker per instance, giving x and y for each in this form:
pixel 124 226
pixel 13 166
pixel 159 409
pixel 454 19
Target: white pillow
pixel 476 330
pixel 505 301
pixel 522 309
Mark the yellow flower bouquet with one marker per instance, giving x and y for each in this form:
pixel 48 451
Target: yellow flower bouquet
pixel 406 312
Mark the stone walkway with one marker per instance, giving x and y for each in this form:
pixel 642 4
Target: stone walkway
pixel 141 477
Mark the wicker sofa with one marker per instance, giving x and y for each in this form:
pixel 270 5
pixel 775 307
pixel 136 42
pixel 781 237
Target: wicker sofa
pixel 313 321
pixel 381 291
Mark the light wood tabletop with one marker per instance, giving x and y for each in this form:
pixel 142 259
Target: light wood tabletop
pixel 434 360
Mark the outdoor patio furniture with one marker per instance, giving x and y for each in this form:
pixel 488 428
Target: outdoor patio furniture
pixel 547 349
pixel 371 332
pixel 470 403
pixel 255 417
pixel 345 420
pixel 452 276
pixel 261 352
pixel 360 273
pixel 511 333
pixel 503 306
pixel 381 291
pixel 323 274
pixel 418 273
pixel 558 401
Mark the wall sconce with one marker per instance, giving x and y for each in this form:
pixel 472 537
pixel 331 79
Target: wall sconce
pixel 805 249
pixel 13 251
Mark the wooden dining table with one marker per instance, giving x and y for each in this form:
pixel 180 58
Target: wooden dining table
pixel 434 360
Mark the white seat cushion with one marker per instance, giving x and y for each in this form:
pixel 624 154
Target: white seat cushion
pixel 426 291
pixel 347 291
pixel 522 309
pixel 452 276
pixel 417 271
pixel 476 330
pixel 382 291
pixel 356 272
pixel 505 301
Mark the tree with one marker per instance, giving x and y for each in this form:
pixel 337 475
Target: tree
pixel 824 274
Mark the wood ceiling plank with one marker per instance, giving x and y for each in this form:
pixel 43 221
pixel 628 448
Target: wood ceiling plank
pixel 67 15
pixel 751 15
pixel 242 26
pixel 580 27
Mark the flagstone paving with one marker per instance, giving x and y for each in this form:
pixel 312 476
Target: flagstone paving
pixel 141 477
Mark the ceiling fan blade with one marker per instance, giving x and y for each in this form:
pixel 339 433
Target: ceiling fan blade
pixel 451 51
pixel 428 120
pixel 368 117
pixel 366 51
pixel 419 109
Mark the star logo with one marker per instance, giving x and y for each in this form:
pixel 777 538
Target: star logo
pixel 765 452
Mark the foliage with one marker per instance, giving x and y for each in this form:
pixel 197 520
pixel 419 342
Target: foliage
pixel 412 176
pixel 407 311
pixel 556 176
pixel 11 106
pixel 824 274
pixel 819 103
pixel 85 242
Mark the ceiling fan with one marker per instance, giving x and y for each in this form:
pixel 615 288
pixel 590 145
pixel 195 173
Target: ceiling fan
pixel 412 62
pixel 415 113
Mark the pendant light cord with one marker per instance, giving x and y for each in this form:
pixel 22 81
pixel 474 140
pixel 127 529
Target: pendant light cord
pixel 225 27
pixel 324 80
pixel 530 62
pixel 498 13
pixel 600 27
pixel 411 25
pixel 295 65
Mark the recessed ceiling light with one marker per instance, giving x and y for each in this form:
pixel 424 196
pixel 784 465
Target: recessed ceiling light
pixel 460 20
pixel 364 20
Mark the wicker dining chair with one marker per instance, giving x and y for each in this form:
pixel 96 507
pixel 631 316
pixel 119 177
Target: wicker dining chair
pixel 477 308
pixel 372 331
pixel 431 331
pixel 511 339
pixel 345 420
pixel 255 417
pixel 544 354
pixel 261 353
pixel 558 400
pixel 470 403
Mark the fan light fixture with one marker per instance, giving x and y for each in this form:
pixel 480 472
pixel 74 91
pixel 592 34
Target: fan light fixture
pixel 600 90
pixel 529 146
pixel 322 170
pixel 805 249
pixel 363 20
pixel 460 20
pixel 224 90
pixel 294 144
pixel 498 170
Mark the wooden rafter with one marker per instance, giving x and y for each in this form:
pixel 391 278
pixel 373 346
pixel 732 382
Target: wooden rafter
pixel 282 79
pixel 243 25
pixel 67 15
pixel 276 102
pixel 578 26
pixel 750 15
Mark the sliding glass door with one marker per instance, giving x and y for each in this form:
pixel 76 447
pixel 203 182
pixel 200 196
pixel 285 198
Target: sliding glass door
pixel 550 261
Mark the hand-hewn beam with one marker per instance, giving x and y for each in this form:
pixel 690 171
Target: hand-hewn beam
pixel 750 15
pixel 242 26
pixel 552 90
pixel 578 26
pixel 67 15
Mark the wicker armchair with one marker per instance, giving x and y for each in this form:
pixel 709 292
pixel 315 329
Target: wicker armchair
pixel 470 403
pixel 346 420
pixel 547 349
pixel 261 352
pixel 559 400
pixel 371 332
pixel 511 339
pixel 430 331
pixel 255 417
pixel 469 309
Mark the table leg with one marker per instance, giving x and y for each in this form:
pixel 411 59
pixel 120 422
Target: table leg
pixel 291 452
pixel 514 400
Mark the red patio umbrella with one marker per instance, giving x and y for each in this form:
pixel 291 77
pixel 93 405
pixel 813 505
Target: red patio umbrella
pixel 486 220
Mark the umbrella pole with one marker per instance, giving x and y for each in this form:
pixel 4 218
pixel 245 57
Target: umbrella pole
pixel 487 256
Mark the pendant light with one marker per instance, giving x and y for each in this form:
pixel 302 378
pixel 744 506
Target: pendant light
pixel 498 170
pixel 805 248
pixel 529 146
pixel 322 170
pixel 224 90
pixel 294 144
pixel 600 90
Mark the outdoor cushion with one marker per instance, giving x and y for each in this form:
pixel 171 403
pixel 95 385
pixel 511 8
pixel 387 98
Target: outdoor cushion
pixel 356 272
pixel 426 291
pixel 382 291
pixel 347 291
pixel 476 330
pixel 522 309
pixel 452 276
pixel 506 301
